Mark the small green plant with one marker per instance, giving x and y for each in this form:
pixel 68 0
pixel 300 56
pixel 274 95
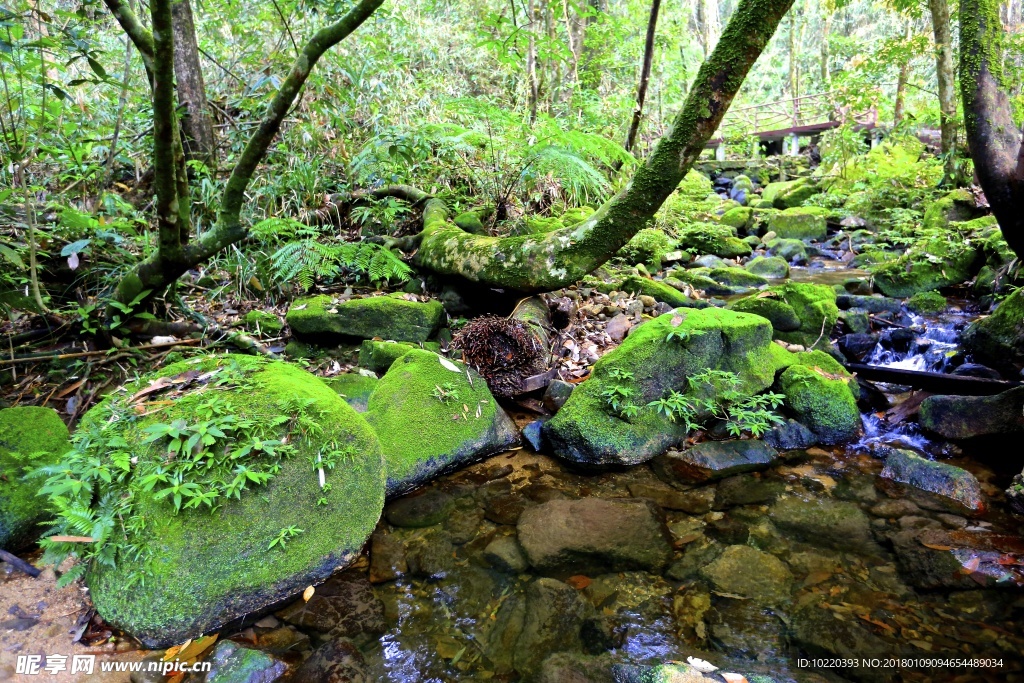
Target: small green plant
pixel 678 334
pixel 283 536
pixel 717 395
pixel 446 393
pixel 616 396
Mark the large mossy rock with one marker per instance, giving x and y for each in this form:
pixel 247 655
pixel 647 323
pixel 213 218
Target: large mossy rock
pixel 805 224
pixel 635 284
pixel 394 316
pixel 999 338
pixel 185 573
pixel 30 437
pixel 934 485
pixel 709 238
pixel 648 364
pixel 966 417
pixel 930 263
pixel 431 419
pixel 789 194
pixel 956 206
pixel 647 247
pixel 812 306
pixel 822 396
pixel 739 218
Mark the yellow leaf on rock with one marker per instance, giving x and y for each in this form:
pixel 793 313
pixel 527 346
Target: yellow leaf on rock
pixel 308 593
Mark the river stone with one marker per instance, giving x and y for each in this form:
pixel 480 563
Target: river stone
pixel 929 568
pixel 423 510
pixel 747 489
pixel 712 460
pixel 422 435
pixel 588 431
pixel 774 267
pixel 822 395
pixel 751 573
pixel 965 417
pixel 336 661
pixel 934 485
pixel 789 193
pixel 343 607
pixel 999 338
pixel 840 525
pixel 594 533
pixel 821 632
pixel 504 554
pixel 799 224
pixel 398 316
pixel 693 501
pixel 745 629
pixel 202 569
pixel 30 437
pixel 505 508
pixel 387 557
pixel 547 618
pixel 871 304
pixel 557 393
pixel 232 663
pixel 790 435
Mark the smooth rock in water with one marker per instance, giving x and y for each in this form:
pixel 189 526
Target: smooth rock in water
pixel 857 347
pixel 532 435
pixel 774 267
pixel 840 525
pixel 336 661
pixel 657 357
pixel 343 607
pixel 805 224
pixel 387 558
pixel 505 509
pixel 930 568
pixel 746 489
pixel 822 395
pixel 751 573
pixel 504 554
pixel 693 501
pixel 790 435
pixel 871 304
pixel 557 393
pixel 394 316
pixel 711 460
pixel 934 485
pixel 232 663
pixel 976 370
pixel 965 417
pixel 30 437
pixel 528 628
pixel 793 251
pixel 431 419
pixel 414 512
pixel 594 533
pixel 820 632
pixel 202 569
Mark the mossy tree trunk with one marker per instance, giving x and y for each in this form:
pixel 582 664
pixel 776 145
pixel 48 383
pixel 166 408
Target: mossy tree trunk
pixel 995 140
pixel 532 264
pixel 175 253
pixel 947 85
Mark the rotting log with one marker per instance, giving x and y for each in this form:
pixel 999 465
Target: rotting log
pixel 933 382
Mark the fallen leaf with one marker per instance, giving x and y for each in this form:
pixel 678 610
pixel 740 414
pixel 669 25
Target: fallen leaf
pixel 308 593
pixel 734 678
pixel 72 539
pixel 191 649
pixel 579 582
pixel 936 547
pixel 448 365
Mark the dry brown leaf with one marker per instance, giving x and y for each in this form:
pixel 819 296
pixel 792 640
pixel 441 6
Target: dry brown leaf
pixel 934 546
pixel 72 539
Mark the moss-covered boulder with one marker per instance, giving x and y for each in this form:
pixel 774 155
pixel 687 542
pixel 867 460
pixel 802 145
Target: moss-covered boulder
pixel 789 194
pixel 398 316
pixel 378 355
pixel 262 321
pixel 927 303
pixel 211 506
pixel 793 251
pixel 999 338
pixel 354 388
pixel 709 238
pixel 805 224
pixel 636 284
pixel 740 218
pixel 720 281
pixel 813 305
pixel 30 437
pixel 774 267
pixel 596 427
pixel 958 205
pixel 647 247
pixel 935 261
pixel 433 415
pixel 966 417
pixel 821 395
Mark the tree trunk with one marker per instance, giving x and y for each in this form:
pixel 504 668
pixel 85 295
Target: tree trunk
pixel 901 81
pixel 947 84
pixel 826 72
pixel 531 61
pixel 995 141
pixel 645 76
pixel 533 264
pixel 198 142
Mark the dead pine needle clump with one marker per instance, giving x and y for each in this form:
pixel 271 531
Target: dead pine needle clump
pixel 503 351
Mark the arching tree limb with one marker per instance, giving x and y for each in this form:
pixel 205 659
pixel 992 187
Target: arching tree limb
pixel 166 266
pixel 995 141
pixel 532 264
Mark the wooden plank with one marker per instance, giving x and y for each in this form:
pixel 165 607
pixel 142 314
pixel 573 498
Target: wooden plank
pixel 933 382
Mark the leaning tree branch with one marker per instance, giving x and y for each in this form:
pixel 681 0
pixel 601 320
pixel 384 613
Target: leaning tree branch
pixel 995 141
pixel 532 264
pixel 139 34
pixel 157 271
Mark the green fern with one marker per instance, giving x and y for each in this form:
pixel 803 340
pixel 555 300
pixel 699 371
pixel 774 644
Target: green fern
pixel 309 261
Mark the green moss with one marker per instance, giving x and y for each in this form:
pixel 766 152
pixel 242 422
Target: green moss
pixel 999 338
pixel 577 215
pixel 541 225
pixel 780 314
pixel 379 355
pixel 957 205
pixel 934 261
pixel 197 569
pixel 774 267
pixel 793 251
pixel 927 302
pixel 659 290
pixel 789 194
pixel 647 246
pixel 823 404
pixel 430 419
pixel 709 238
pixel 806 224
pixel 354 388
pixel 814 306
pixel 393 316
pixel 782 358
pixel 263 322
pixel 471 222
pixel 30 437
pixel 588 430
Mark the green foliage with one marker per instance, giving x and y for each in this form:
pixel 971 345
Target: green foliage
pixel 446 393
pixel 717 393
pixel 281 540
